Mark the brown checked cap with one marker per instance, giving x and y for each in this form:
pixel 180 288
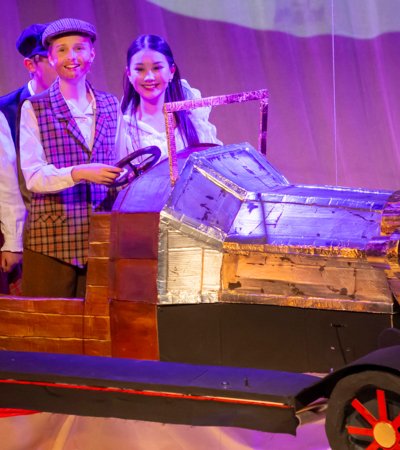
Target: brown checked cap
pixel 67 26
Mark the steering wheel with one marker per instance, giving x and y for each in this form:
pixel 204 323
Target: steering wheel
pixel 131 170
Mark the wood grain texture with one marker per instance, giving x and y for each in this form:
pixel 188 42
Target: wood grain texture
pixel 134 280
pixel 134 236
pixel 134 330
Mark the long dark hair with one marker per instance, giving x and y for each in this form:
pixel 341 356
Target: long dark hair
pixel 174 92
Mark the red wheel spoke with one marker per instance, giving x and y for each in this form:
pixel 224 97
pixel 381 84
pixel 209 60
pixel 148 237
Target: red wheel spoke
pixel 396 422
pixel 374 446
pixel 382 410
pixel 363 411
pixel 359 431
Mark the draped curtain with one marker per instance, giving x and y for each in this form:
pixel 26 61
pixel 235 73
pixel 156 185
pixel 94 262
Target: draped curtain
pixel 331 68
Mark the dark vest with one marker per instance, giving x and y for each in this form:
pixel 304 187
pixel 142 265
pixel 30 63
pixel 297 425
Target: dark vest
pixel 58 224
pixel 9 104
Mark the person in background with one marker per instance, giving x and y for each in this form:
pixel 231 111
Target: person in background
pixel 152 77
pixel 67 141
pixel 12 208
pixel 12 213
pixel 42 74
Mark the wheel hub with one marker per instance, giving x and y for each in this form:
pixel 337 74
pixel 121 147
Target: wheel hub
pixel 384 434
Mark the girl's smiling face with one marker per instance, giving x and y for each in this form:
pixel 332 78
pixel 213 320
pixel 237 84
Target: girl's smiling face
pixel 71 56
pixel 149 74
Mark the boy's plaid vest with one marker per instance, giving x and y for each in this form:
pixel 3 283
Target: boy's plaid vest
pixel 58 224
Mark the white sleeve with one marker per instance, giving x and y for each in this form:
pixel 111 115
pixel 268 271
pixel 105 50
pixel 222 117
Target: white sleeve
pixel 123 141
pixel 206 131
pixel 12 208
pixel 40 176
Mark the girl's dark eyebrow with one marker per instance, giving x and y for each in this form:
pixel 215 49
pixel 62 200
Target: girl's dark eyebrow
pixel 154 63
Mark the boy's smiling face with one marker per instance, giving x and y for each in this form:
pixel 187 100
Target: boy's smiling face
pixel 71 56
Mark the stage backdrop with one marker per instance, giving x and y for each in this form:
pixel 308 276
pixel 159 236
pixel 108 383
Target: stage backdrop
pixel 331 66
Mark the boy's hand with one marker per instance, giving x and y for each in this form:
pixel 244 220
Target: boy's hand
pixel 9 260
pixel 96 173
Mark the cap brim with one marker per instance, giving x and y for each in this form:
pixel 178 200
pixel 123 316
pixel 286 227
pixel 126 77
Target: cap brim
pixel 53 37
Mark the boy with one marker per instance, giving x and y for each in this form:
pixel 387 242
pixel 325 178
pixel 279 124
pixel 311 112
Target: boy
pixel 67 141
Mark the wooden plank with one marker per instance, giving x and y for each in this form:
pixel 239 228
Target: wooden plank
pixel 41 344
pixel 96 327
pixel 100 227
pixel 53 345
pixel 94 347
pixel 17 323
pixel 134 235
pixel 97 303
pixel 98 272
pixel 134 280
pixel 134 330
pixel 268 288
pixel 72 306
pixel 99 249
pixel 373 285
pixel 395 288
pixel 271 276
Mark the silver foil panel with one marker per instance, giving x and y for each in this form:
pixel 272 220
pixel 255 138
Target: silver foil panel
pixel 293 222
pixel 189 264
pixel 213 185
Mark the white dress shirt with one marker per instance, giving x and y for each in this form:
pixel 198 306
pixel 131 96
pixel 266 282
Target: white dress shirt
pixel 30 88
pixel 40 176
pixel 12 208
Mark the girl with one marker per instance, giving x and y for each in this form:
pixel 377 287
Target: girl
pixel 152 78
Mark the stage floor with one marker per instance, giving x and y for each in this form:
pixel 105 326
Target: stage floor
pixel 45 431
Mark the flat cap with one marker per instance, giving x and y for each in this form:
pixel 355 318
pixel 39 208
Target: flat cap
pixel 67 26
pixel 29 42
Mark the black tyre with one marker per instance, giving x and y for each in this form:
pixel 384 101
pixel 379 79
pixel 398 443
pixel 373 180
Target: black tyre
pixel 364 412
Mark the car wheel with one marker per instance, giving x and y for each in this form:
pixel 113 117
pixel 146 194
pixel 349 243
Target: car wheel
pixel 364 412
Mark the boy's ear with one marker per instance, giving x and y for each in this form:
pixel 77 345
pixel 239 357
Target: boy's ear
pixel 51 61
pixel 92 54
pixel 29 65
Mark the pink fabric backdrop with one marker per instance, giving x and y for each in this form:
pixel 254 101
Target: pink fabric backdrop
pixel 45 431
pixel 331 67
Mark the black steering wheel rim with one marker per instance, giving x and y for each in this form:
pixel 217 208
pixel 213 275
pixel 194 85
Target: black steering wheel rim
pixel 135 170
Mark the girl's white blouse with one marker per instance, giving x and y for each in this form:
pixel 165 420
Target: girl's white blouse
pixel 138 134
